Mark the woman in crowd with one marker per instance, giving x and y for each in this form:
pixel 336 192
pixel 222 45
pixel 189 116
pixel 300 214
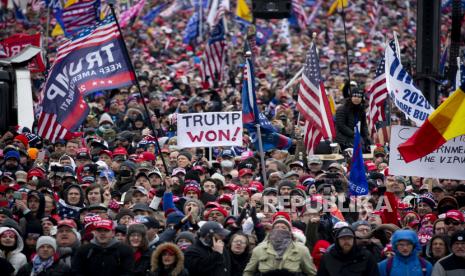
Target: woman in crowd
pixel 167 260
pixel 239 252
pixel 11 245
pixel 137 238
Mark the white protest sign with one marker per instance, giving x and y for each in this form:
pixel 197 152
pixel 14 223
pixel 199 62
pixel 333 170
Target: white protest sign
pixel 403 92
pixel 212 129
pixel 448 161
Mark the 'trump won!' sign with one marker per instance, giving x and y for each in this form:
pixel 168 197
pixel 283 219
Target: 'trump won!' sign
pixel 212 129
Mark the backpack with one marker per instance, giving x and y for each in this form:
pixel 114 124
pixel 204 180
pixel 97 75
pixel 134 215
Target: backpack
pixel 390 261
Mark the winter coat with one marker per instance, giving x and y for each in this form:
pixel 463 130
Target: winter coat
pixel 239 262
pixel 405 265
pixel 142 265
pixel 450 265
pixel 157 265
pixel 93 259
pixel 15 257
pixel 296 259
pixel 57 269
pixel 201 260
pixel 346 117
pixel 356 262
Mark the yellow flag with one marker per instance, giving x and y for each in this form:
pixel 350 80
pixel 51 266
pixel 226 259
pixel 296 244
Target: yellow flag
pixel 243 11
pixel 57 30
pixel 337 5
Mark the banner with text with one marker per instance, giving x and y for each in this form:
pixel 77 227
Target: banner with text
pixel 403 92
pixel 448 161
pixel 12 45
pixel 212 129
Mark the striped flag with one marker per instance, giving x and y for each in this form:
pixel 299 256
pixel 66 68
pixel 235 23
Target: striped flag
pixel 313 103
pixel 93 60
pixel 79 15
pixel 214 55
pixel 377 96
pixel 298 9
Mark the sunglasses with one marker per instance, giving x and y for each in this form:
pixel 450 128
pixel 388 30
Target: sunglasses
pixel 454 222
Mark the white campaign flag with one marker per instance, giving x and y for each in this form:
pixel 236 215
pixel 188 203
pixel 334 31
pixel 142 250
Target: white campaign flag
pixel 403 92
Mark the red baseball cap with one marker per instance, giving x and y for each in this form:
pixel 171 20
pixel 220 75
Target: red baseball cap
pixel 104 224
pixel 120 151
pixel 455 215
pixel 35 172
pixel 107 152
pixel 245 171
pixel 67 222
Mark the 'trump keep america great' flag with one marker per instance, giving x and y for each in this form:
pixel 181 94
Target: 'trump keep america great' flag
pixel 92 61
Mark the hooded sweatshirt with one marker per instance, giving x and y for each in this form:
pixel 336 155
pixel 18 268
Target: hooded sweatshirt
pixel 405 265
pixel 13 255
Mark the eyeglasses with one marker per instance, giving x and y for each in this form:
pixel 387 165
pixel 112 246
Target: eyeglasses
pixel 239 242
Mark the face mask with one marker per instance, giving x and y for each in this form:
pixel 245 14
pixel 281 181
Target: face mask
pixel 183 245
pixel 125 173
pixel 227 164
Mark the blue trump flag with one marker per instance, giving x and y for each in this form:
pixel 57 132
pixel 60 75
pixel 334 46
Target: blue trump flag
pixel 271 139
pixel 93 60
pixel 358 184
pixel 151 15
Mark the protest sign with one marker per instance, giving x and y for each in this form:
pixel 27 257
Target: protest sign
pixel 12 45
pixel 403 92
pixel 448 161
pixel 212 129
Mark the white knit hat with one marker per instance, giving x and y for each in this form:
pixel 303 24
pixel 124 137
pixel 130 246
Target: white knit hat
pixel 46 240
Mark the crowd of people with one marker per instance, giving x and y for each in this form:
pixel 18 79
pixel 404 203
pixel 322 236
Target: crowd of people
pixel 124 200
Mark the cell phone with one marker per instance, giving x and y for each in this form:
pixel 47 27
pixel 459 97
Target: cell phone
pixel 17 195
pixel 41 155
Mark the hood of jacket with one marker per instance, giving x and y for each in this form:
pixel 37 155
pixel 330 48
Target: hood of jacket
pixel 19 240
pixel 406 235
pixel 156 258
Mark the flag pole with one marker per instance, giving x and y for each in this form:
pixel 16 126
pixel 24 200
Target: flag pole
pixel 346 44
pixel 248 54
pixel 131 67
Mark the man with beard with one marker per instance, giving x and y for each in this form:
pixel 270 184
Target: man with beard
pixel 280 254
pixel 346 258
pixel 454 264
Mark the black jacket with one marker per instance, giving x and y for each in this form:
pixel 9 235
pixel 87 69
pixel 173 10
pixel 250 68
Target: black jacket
pixel 357 262
pixel 239 262
pixel 201 260
pixel 93 259
pixel 57 269
pixel 142 266
pixel 346 117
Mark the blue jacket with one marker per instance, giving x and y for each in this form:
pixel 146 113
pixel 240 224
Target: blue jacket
pixel 405 266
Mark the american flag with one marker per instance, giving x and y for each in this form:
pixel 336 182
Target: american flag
pixel 377 96
pixel 213 60
pixel 77 16
pixel 313 103
pixel 298 9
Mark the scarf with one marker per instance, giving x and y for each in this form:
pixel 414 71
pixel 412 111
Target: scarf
pixel 280 240
pixel 38 265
